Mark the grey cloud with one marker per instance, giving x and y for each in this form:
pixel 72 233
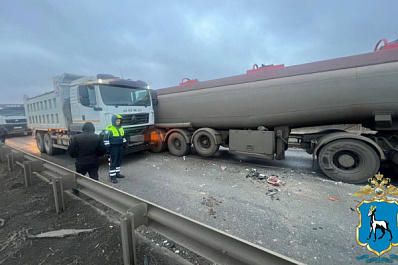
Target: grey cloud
pixel 162 42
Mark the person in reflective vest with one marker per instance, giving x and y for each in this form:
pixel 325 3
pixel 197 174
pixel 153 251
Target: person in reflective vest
pixel 114 140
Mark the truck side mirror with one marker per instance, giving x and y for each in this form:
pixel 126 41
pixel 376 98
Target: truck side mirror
pixel 154 96
pixel 83 95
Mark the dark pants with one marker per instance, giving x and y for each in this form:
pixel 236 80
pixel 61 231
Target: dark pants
pixel 116 154
pixel 91 169
pixel 3 140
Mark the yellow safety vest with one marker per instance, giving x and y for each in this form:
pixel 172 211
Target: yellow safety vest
pixel 114 131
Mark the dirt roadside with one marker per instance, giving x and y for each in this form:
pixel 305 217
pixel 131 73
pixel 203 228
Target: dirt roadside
pixel 29 211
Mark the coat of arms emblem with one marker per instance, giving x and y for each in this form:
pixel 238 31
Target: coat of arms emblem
pixel 378 223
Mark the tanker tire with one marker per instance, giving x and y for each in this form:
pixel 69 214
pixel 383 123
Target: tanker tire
pixel 159 147
pixel 177 145
pixel 48 145
pixel 349 161
pixel 204 144
pixel 40 142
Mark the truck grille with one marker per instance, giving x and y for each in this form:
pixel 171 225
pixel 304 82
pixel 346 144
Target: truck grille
pixel 15 120
pixel 135 131
pixel 134 119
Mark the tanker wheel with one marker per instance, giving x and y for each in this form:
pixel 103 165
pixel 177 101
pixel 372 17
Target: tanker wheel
pixel 177 144
pixel 350 161
pixel 205 144
pixel 159 146
pixel 48 145
pixel 40 142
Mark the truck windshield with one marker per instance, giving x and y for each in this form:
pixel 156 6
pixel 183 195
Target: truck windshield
pixel 124 96
pixel 12 111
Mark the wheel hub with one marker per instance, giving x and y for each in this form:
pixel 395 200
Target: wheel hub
pixel 346 160
pixel 177 144
pixel 205 142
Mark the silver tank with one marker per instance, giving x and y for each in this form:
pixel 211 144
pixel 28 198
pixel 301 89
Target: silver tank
pixel 340 91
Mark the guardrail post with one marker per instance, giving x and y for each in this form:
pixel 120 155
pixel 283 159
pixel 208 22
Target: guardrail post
pixel 4 150
pixel 58 195
pixel 27 171
pixel 128 244
pixel 10 163
pixel 60 184
pixel 135 217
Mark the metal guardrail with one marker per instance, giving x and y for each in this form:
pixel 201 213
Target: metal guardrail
pixel 213 244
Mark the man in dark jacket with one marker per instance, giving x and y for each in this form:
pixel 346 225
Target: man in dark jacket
pixel 114 140
pixel 86 148
pixel 3 134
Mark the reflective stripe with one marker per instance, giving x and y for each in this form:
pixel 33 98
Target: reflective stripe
pixel 117 170
pixel 117 167
pixel 113 174
pixel 106 142
pixel 112 171
pixel 124 140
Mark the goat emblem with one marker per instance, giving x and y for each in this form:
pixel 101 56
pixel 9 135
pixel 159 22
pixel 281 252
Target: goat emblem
pixel 374 224
pixel 384 220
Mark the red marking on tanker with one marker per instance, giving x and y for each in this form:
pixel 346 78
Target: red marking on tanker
pixel 187 81
pixel 264 68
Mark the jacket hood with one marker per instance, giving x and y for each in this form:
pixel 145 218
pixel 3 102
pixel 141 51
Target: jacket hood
pixel 114 118
pixel 88 127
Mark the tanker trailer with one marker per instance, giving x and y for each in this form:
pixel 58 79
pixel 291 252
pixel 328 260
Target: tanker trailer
pixel 253 114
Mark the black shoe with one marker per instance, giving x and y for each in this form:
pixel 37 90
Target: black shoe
pixel 114 180
pixel 119 176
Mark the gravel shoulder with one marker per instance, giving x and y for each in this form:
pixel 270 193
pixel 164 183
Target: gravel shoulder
pixel 26 212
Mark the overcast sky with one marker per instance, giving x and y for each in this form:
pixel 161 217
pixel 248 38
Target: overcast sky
pixel 161 42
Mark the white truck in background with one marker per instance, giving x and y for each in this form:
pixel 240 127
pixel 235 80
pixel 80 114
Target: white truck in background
pixel 56 116
pixel 12 117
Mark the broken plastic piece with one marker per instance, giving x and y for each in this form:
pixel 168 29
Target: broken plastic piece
pixel 274 181
pixel 271 192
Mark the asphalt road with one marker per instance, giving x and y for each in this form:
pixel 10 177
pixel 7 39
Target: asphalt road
pixel 300 221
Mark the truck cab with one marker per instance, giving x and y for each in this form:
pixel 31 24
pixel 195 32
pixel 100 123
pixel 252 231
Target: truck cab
pixel 59 115
pixel 13 118
pixel 97 98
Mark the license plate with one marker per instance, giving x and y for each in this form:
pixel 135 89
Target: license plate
pixel 17 127
pixel 137 138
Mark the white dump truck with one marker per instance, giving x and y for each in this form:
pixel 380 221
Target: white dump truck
pixel 12 117
pixel 253 114
pixel 56 116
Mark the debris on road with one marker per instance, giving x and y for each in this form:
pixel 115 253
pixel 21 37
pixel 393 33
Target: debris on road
pixel 275 181
pixel 223 168
pixel 271 192
pixel 2 221
pixel 62 233
pixel 211 202
pixel 255 175
pixel 352 209
pixel 334 199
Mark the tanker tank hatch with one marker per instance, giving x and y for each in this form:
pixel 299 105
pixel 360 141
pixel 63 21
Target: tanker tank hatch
pixel 264 68
pixel 187 81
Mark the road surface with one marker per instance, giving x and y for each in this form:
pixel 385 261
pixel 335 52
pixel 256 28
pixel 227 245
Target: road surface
pixel 300 221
